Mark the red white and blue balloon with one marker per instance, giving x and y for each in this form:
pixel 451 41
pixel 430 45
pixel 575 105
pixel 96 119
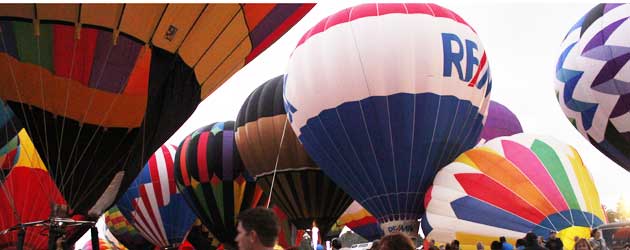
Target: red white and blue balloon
pixel 154 205
pixel 384 95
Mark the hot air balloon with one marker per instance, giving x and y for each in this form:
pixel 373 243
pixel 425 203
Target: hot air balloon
pixel 361 222
pixel 124 231
pixel 272 153
pixel 511 186
pixel 25 184
pixel 500 121
pixel 154 205
pixel 102 86
pixel 210 173
pixel 384 95
pixel 592 79
pixel 200 237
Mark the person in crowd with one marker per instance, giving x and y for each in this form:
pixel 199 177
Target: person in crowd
pixel 582 244
pixel 396 241
pixel 520 244
pixel 541 241
pixel 257 229
pixel 480 245
pixel 531 242
pixel 554 243
pixel 496 245
pixel 596 240
pixel 335 244
pixel 375 244
pixel 455 245
pixel 505 245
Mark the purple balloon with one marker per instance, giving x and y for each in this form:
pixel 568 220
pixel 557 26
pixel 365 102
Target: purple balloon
pixel 500 122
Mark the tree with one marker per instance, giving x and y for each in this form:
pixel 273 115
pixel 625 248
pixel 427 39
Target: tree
pixel 612 216
pixel 623 211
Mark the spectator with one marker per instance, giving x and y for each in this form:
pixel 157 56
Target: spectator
pixel 335 244
pixel 597 243
pixel 375 244
pixel 257 229
pixel 531 242
pixel 520 244
pixel 505 245
pixel 455 245
pixel 396 241
pixel 496 245
pixel 554 243
pixel 582 244
pixel 480 245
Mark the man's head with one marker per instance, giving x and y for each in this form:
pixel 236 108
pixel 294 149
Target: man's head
pixel 257 229
pixel 552 235
pixel 502 239
pixel 335 243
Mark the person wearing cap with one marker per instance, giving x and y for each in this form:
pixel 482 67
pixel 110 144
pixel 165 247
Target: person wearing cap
pixel 554 243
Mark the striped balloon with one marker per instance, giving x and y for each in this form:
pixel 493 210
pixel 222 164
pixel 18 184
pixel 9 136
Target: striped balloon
pixel 154 205
pixel 213 179
pixel 300 188
pixel 511 186
pixel 123 231
pixel 593 76
pixel 384 95
pixel 361 222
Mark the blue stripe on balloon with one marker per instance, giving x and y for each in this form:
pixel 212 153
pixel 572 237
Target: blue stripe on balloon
pixel 558 221
pixel 471 209
pixel 369 232
pixel 383 154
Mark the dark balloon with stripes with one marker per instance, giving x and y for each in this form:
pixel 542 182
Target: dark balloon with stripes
pixel 211 175
pixel 301 189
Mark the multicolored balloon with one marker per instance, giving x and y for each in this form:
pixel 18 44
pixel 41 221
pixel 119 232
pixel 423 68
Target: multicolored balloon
pixel 361 222
pixel 511 186
pixel 592 79
pixel 102 86
pixel 211 175
pixel 124 231
pixel 384 95
pixel 300 188
pixel 154 205
pixel 499 122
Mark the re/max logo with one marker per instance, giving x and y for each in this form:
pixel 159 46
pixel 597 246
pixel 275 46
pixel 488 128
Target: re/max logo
pixel 454 51
pixel 400 228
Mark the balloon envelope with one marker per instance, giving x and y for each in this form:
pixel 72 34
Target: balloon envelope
pixel 154 205
pixel 384 95
pixel 102 86
pixel 499 122
pixel 361 222
pixel 211 175
pixel 300 188
pixel 509 187
pixel 592 76
pixel 124 231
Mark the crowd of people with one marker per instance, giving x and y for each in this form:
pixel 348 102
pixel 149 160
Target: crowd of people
pixel 258 229
pixel 531 241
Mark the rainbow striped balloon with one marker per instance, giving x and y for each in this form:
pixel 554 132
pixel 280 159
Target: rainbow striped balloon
pixel 511 186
